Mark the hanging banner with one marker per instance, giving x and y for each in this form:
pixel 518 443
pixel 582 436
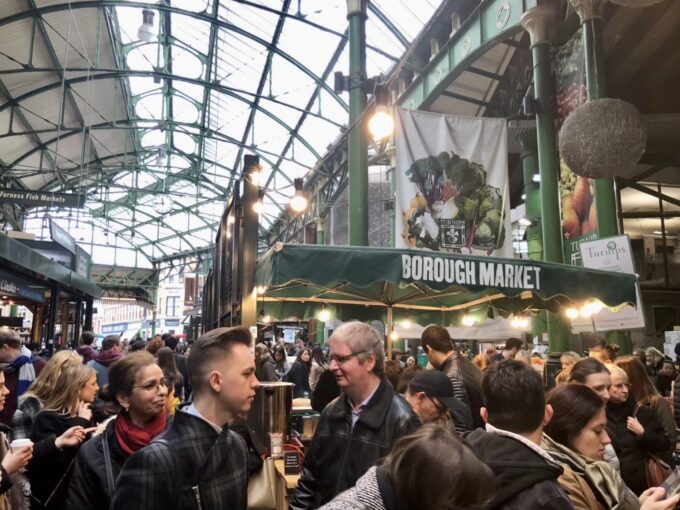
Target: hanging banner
pixel 613 254
pixel 41 198
pixel 579 217
pixel 452 184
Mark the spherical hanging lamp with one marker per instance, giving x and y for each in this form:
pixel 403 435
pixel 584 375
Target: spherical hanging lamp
pixel 603 138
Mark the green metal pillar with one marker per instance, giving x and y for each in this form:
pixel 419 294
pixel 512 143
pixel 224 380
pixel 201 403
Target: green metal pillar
pixel 591 15
pixel 154 313
pixel 532 201
pixel 52 317
pixel 539 23
pixel 358 144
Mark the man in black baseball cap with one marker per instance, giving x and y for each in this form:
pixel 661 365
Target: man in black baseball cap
pixel 431 395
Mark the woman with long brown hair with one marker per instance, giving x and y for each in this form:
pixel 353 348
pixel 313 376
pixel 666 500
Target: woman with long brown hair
pixel 645 394
pixel 138 387
pixel 66 416
pixel 166 360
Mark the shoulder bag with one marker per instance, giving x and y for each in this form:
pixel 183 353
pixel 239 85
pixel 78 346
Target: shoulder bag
pixel 262 485
pixel 656 470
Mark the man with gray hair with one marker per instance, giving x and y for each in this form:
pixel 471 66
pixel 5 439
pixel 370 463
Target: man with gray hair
pixel 357 428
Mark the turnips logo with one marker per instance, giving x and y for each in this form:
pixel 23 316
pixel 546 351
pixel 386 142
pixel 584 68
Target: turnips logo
pixel 612 251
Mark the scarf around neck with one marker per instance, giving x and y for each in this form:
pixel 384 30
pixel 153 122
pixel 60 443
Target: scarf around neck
pixel 131 437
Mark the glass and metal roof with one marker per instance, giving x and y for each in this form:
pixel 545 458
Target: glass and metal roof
pixel 152 125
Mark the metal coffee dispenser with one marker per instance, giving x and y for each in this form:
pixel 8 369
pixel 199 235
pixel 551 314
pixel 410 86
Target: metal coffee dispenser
pixel 269 415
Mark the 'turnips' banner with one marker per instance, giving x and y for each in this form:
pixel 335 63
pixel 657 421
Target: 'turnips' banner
pixel 452 184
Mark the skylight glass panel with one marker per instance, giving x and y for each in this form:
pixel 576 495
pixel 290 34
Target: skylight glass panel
pixel 315 56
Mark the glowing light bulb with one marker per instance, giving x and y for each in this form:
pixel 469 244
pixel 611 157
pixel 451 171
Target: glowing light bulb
pixel 298 203
pixel 324 315
pixel 381 123
pixel 571 312
pixel 394 335
pixel 468 320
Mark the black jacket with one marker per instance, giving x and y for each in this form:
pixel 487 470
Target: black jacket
pixel 181 362
pixel 630 449
pixel 299 375
pixel 89 487
pixel 466 380
pixel 189 461
pixel 265 370
pixel 339 453
pixel 524 479
pixel 51 468
pixel 326 391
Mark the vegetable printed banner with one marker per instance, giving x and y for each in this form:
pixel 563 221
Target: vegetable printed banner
pixel 579 215
pixel 452 184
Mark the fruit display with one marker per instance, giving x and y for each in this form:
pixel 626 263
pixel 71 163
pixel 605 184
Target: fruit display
pixel 454 208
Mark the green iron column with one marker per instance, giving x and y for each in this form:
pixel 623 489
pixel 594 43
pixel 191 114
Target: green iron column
pixel 590 13
pixel 358 144
pixel 532 201
pixel 539 22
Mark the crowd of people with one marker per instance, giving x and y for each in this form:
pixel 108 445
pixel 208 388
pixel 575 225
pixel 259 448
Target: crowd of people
pixel 105 429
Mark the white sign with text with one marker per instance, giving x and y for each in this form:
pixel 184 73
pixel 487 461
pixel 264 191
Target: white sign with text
pixel 613 254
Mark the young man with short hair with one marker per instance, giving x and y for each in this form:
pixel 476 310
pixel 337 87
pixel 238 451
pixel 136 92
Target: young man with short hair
pixel 112 350
pixel 200 462
pixel 85 348
pixel 466 379
pixel 515 413
pixel 512 347
pixel 21 368
pixel 359 427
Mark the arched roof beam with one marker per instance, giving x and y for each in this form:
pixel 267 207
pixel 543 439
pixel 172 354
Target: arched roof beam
pixel 390 26
pixel 92 4
pixel 129 124
pixel 128 72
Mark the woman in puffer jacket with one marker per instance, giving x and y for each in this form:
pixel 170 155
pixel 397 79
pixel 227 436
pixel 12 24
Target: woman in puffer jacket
pixel 431 468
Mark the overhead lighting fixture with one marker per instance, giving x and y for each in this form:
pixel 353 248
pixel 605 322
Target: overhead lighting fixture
pixel 468 320
pixel 258 206
pixel 146 32
pixel 406 323
pixel 519 322
pixel 255 177
pixel 394 335
pixel 381 123
pixel 298 203
pixel 571 312
pixel 266 318
pixel 524 196
pixel 536 178
pixel 324 314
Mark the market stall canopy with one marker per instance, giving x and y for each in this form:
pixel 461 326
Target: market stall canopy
pixel 423 280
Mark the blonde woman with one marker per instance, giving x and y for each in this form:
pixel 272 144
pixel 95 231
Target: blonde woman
pixel 567 360
pixel 31 402
pixel 58 431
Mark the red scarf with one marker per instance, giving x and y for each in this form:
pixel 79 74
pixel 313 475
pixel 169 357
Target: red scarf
pixel 132 438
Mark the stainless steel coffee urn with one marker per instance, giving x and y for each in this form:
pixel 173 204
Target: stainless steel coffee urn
pixel 269 415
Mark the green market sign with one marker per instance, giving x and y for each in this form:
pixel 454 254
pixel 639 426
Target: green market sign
pixel 41 198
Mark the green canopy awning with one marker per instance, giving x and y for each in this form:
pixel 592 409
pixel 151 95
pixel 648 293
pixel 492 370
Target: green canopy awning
pixel 420 280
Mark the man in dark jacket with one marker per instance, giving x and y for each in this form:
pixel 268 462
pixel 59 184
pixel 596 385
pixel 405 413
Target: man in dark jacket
pixel 357 428
pixel 465 378
pixel 200 462
pixel 85 349
pixel 515 411
pixel 21 368
pixel 181 362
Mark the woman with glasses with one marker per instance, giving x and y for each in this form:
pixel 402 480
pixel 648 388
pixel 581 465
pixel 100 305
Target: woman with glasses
pixel 431 468
pixel 58 431
pixel 634 431
pixel 137 384
pixel 576 437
